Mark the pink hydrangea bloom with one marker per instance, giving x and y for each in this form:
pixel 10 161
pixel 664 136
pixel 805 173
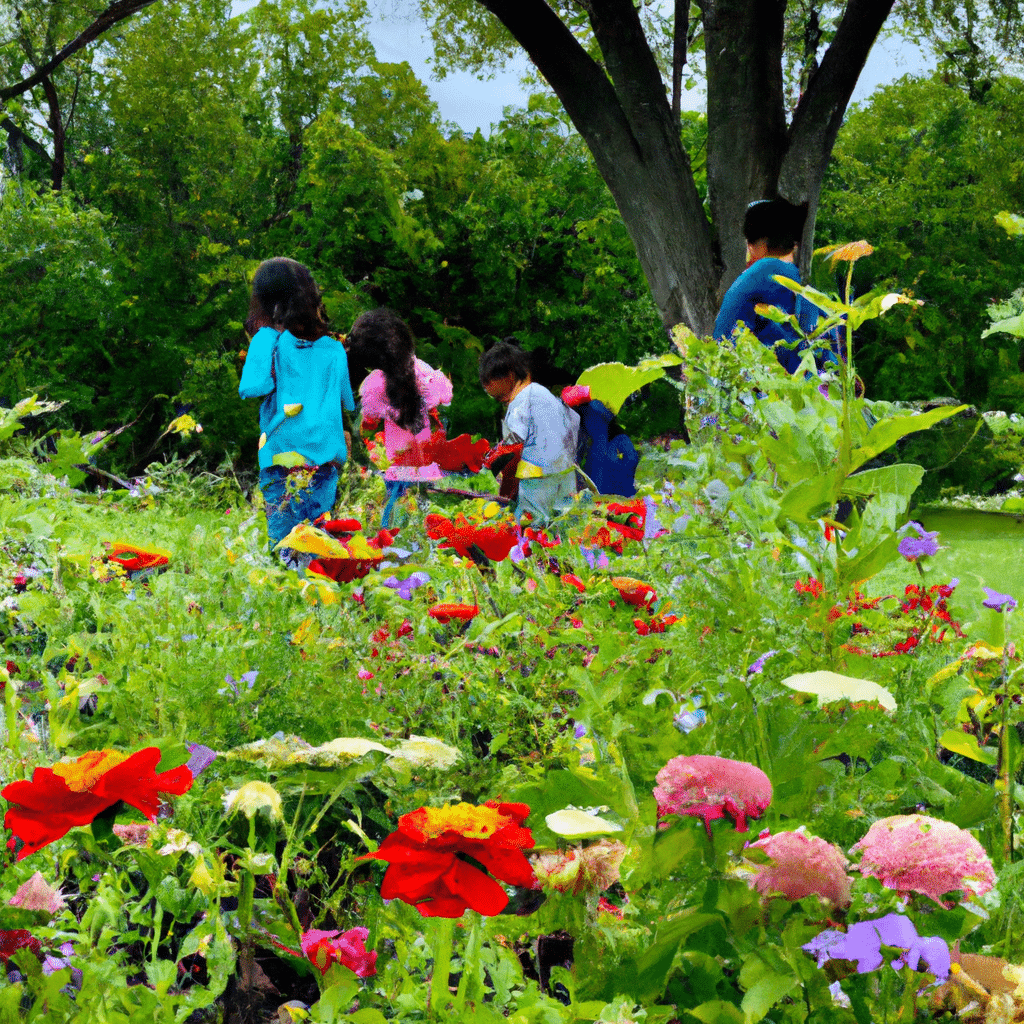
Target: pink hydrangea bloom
pixel 347 948
pixel 801 865
pixel 915 853
pixel 37 894
pixel 710 787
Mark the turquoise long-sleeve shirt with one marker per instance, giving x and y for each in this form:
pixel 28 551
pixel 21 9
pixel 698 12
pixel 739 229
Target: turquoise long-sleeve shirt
pixel 313 374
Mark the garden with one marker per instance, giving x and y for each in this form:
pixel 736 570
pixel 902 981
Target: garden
pixel 735 749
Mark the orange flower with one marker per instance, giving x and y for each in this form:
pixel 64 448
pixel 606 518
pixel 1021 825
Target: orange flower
pixel 439 856
pixel 136 559
pixel 74 792
pixel 849 252
pixel 444 613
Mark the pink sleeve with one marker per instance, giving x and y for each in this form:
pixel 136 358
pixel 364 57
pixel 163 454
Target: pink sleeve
pixel 433 385
pixel 371 393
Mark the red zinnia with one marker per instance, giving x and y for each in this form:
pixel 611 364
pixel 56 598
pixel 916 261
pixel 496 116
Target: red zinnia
pixel 634 592
pixel 74 792
pixel 427 865
pixel 446 612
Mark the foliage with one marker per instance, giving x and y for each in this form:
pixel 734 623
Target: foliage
pixel 919 170
pixel 338 709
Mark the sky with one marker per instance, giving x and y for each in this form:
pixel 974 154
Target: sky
pixel 471 103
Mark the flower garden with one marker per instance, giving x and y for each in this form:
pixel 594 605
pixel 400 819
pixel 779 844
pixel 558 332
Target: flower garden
pixel 731 750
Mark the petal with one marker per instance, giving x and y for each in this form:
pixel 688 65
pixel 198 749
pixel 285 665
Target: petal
pixel 412 882
pixel 510 866
pixel 479 891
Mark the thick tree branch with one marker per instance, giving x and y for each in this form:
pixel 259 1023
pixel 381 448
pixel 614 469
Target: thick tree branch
pixel 819 114
pixel 680 43
pixel 117 11
pixel 18 136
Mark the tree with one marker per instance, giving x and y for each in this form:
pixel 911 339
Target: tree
pixel 29 42
pixel 608 61
pixel 921 171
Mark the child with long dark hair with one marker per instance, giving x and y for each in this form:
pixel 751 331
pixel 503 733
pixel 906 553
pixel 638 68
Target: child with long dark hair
pixel 401 390
pixel 301 372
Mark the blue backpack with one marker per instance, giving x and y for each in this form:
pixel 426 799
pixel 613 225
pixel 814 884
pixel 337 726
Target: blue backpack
pixel 605 453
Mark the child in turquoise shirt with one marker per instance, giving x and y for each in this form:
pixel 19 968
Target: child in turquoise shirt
pixel 301 373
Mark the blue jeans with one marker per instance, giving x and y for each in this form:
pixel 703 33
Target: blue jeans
pixel 284 509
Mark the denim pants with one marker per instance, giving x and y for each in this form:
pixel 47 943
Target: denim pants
pixel 284 509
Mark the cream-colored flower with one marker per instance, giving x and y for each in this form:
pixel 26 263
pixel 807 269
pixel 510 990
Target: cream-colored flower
pixel 425 752
pixel 179 841
pixel 252 798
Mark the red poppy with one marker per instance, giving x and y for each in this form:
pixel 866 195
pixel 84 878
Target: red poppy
pixel 74 792
pixel 345 570
pixel 657 624
pixel 452 455
pixel 136 559
pixel 634 592
pixel 427 865
pixel 494 539
pixel 446 612
pixel 571 580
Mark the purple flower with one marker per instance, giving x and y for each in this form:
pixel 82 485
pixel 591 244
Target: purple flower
pixel 404 588
pixel 247 677
pixel 580 731
pixel 596 559
pixel 758 666
pixel 863 942
pixel 925 543
pixel 652 527
pixel 201 759
pixel 998 602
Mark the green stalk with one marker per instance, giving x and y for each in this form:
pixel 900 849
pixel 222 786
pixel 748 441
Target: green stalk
pixel 469 983
pixel 1005 775
pixel 444 935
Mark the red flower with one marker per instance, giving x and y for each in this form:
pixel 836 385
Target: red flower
pixel 573 581
pixel 813 587
pixel 427 865
pixel 444 613
pixel 634 592
pixel 136 559
pixel 13 939
pixel 495 539
pixel 74 792
pixel 346 948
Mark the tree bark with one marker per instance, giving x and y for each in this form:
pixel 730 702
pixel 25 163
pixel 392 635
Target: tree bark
pixel 626 121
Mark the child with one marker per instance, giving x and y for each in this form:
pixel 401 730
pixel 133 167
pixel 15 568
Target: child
pixel 301 373
pixel 546 427
pixel 403 391
pixel 772 228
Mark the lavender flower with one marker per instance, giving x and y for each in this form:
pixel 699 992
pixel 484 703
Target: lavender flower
pixel 998 602
pixel 596 558
pixel 202 757
pixel 758 666
pixel 925 543
pixel 652 527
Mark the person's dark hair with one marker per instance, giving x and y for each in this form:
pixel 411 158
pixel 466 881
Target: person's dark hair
pixel 501 359
pixel 381 340
pixel 284 294
pixel 779 222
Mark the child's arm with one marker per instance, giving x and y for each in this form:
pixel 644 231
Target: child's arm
pixel 258 372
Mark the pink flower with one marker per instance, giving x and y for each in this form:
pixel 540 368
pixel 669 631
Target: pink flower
pixel 322 949
pixel 710 787
pixel 134 834
pixel 37 894
pixel 915 853
pixel 801 865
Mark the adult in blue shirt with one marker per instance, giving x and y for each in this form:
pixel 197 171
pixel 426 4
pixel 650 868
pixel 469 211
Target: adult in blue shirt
pixel 772 228
pixel 301 373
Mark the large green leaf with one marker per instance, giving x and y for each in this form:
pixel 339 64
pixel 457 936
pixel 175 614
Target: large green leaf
pixel 613 383
pixel 967 746
pixel 884 434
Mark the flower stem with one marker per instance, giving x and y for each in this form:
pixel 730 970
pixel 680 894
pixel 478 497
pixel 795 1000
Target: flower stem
pixel 444 934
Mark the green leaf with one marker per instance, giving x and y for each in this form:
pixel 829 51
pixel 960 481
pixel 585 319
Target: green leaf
pixel 613 383
pixel 764 994
pixel 1014 325
pixel 884 434
pixel 967 746
pixel 718 1011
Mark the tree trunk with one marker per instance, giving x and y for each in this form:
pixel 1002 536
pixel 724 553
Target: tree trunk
pixel 627 123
